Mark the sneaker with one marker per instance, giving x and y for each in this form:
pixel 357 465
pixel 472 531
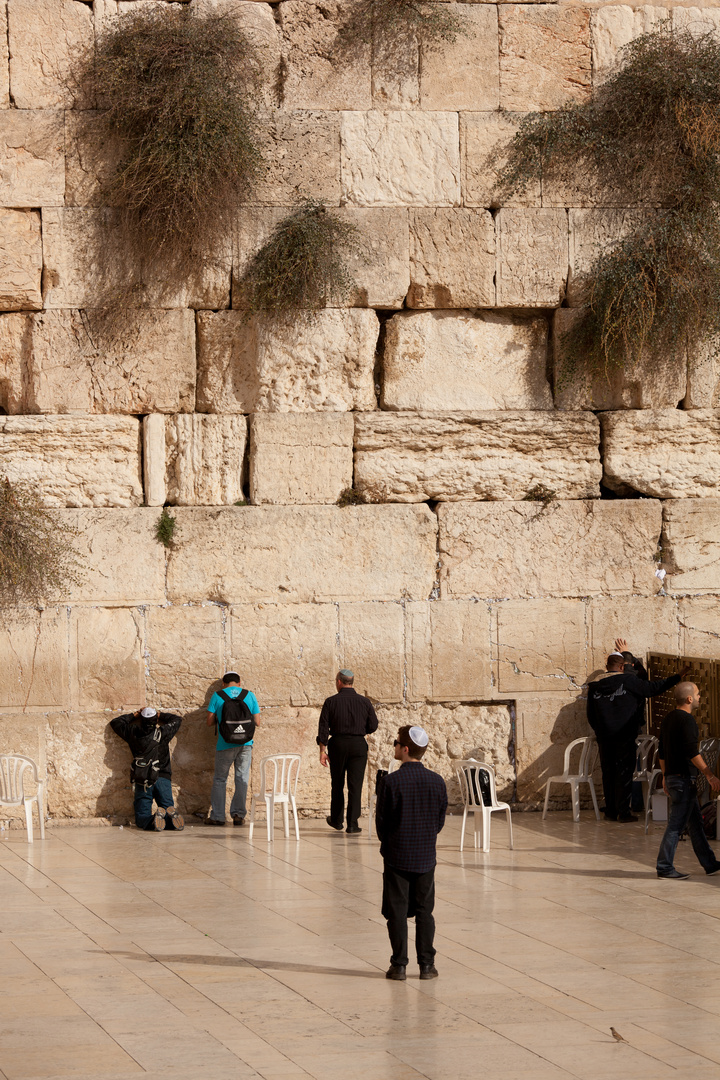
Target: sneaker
pixel 174 820
pixel 237 820
pixel 396 972
pixel 624 818
pixel 674 874
pixel 713 869
pixel 428 971
pixel 159 820
pixel 212 821
pixel 332 824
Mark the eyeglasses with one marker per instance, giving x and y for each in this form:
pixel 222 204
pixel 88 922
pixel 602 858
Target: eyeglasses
pixel 398 743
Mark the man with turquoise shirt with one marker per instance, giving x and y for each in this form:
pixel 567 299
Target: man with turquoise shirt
pixel 228 754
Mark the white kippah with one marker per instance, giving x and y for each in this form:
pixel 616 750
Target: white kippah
pixel 419 736
pixel 148 712
pixel 618 654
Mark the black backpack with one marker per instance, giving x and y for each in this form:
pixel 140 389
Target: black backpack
pixel 236 721
pixel 145 768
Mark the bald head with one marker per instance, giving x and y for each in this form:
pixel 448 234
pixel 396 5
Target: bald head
pixel 686 693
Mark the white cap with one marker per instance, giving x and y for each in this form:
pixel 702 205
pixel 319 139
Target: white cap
pixel 148 712
pixel 419 736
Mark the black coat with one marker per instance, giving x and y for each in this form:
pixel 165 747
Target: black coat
pixel 614 700
pixel 137 731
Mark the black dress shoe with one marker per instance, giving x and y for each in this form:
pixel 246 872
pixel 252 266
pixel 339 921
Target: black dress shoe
pixel 713 869
pixel 332 824
pixel 673 874
pixel 428 971
pixel 625 818
pixel 609 817
pixel 353 829
pixel 397 972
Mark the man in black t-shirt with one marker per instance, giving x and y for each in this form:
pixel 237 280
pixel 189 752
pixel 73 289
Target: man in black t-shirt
pixel 148 734
pixel 680 761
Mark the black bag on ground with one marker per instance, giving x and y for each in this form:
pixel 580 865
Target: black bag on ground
pixel 236 721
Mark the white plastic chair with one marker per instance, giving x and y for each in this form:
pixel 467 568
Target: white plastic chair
pixel 393 764
pixel 646 761
pixel 12 789
pixel 468 774
pixel 278 790
pixel 588 757
pixel 654 788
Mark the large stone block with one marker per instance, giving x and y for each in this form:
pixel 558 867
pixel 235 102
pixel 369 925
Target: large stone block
pixel 300 457
pixel 652 382
pixel 4 59
pixel 317 72
pixel 449 361
pixel 691 544
pixel 371 644
pixel 185 656
pixel 74 460
pixel 32 158
pixel 107 669
pixel 303 554
pixel 302 155
pixel 403 457
pixel 291 731
pixel 47 38
pixel 592 233
pixel 452 259
pixel 545 724
pixel 648 624
pixel 23 733
pixel 60 362
pixel 322 362
pixel 545 59
pixel 395 68
pixel 615 26
pixel 484 137
pixel 526 549
pixel 664 453
pixel 541 645
pixel 257 22
pixel 400 159
pixel 121 560
pixel 21 260
pixel 464 74
pixel 285 652
pixel 699 634
pixel 91 158
pixel 88 768
pixel 448 650
pixel 532 257
pixel 194 460
pixel 456 732
pixel 87 265
pixel 34 659
pixel 703 376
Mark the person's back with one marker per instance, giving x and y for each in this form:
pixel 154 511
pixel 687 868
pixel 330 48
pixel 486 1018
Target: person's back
pixel 149 734
pixel 410 814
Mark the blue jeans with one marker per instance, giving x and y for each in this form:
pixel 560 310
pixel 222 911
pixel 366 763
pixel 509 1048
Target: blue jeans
pixel 161 792
pixel 684 814
pixel 240 757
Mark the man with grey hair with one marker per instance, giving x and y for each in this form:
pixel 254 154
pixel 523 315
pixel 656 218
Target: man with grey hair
pixel 346 718
pixel 680 761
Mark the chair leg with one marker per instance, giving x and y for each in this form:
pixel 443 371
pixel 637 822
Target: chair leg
pixel 509 820
pixel 462 829
pixel 477 827
pixel 486 821
pixel 286 821
pixel 27 807
pixel 270 815
pixel 594 799
pixel 371 807
pixel 295 817
pixel 547 799
pixel 575 800
pixel 252 818
pixel 41 809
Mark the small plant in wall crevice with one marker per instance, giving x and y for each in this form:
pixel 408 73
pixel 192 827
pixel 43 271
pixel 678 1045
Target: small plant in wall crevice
pixel 165 528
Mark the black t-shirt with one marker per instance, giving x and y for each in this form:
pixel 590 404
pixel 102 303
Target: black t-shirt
pixel 678 743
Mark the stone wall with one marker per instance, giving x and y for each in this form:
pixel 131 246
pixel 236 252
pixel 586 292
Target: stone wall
pixel 438 393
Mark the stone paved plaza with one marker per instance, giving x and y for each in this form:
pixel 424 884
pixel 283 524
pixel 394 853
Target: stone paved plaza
pixel 199 956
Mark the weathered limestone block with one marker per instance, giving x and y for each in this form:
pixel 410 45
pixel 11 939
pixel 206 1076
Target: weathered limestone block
pixel 4 59
pixel 400 159
pixel 23 733
pixel 291 731
pixel 395 69
pixel 74 460
pixel 698 20
pixel 456 732
pixel 448 650
pixel 88 767
pixel 317 72
pixel 32 158
pixel 664 453
pixel 564 549
pixel 300 457
pixel 532 257
pixel 401 457
pixel 545 58
pixel 541 645
pixel 654 382
pixel 615 26
pixel 324 362
pixel 371 644
pixel 544 725
pixel 91 158
pixel 302 153
pixel 699 629
pixel 107 670
pixel 691 544
pixel 648 624
pixel 450 361
pixel 303 554
pixel 46 38
pixel 86 265
pixel 452 259
pixel 194 460
pixel 21 260
pixel 185 655
pixel 703 376
pixel 34 659
pixel 483 137
pixel 592 233
pixel 464 74
pixel 122 562
pixel 257 22
pixel 286 652
pixel 60 361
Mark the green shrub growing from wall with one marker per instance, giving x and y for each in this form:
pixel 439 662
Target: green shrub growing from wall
pixel 649 137
pixel 37 556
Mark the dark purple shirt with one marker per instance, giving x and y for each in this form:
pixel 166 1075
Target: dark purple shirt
pixel 346 713
pixel 410 813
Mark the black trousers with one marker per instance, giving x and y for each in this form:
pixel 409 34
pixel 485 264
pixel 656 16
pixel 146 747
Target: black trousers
pixel 348 759
pixel 406 895
pixel 618 754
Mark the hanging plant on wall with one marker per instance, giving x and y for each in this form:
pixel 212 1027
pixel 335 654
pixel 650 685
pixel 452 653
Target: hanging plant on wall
pixel 37 556
pixel 649 137
pixel 394 26
pixel 303 266
pixel 177 89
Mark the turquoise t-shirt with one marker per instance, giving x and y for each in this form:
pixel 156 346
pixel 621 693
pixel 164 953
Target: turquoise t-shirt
pixel 216 704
